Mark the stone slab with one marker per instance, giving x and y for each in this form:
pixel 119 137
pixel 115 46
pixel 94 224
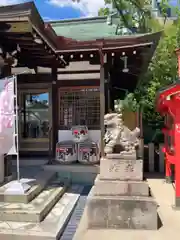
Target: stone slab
pixel 42 179
pixel 120 188
pixel 52 226
pixel 121 169
pixel 132 156
pixel 121 212
pixel 35 211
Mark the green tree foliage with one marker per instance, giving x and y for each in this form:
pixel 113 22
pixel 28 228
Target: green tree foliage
pixel 162 71
pixel 133 14
pixel 163 68
pixel 137 14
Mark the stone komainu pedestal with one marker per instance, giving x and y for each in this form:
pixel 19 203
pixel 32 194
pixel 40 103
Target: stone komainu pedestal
pixel 120 198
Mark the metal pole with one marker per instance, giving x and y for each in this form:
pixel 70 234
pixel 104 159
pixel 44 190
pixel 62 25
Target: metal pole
pixel 16 128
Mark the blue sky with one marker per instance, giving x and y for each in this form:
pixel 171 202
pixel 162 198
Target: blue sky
pixel 52 11
pixel 64 9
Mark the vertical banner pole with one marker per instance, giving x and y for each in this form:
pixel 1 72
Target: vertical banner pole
pixel 16 129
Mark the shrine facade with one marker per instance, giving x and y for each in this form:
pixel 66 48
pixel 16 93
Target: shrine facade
pixel 68 76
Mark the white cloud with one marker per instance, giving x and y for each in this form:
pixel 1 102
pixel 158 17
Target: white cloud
pixel 48 19
pixel 9 2
pixel 87 7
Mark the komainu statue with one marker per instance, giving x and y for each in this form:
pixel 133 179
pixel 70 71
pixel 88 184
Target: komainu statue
pixel 118 138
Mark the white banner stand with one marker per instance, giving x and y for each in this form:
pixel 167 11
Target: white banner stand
pixel 20 186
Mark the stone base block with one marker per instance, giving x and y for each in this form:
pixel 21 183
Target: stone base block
pixel 121 169
pixel 42 180
pixel 121 212
pixel 120 188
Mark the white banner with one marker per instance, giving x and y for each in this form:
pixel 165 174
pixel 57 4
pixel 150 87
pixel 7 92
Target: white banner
pixel 7 115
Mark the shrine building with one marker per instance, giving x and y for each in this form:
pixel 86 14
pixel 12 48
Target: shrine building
pixel 69 72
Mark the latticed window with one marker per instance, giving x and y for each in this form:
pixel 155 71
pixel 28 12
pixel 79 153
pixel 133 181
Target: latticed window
pixel 79 106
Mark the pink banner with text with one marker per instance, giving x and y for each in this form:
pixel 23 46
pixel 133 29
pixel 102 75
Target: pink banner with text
pixel 7 114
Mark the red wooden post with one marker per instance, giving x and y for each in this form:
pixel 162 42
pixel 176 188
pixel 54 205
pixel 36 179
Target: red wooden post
pixel 177 141
pixel 177 160
pixel 168 172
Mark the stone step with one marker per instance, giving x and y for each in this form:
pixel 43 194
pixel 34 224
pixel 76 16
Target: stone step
pixel 41 180
pixel 37 209
pixel 121 212
pixel 52 227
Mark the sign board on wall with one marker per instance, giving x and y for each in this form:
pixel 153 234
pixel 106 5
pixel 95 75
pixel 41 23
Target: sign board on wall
pixel 7 115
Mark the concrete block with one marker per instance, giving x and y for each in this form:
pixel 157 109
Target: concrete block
pixel 122 212
pixel 42 180
pixel 121 169
pixel 120 188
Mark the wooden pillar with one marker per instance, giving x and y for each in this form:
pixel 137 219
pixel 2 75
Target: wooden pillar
pixel 54 130
pixel 140 125
pixel 106 97
pixel 106 82
pixel 161 158
pixel 151 157
pixel 102 103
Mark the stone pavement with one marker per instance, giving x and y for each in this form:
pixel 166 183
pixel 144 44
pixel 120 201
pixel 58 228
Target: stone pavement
pixel 170 229
pixel 74 221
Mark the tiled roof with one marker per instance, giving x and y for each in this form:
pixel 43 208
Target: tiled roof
pixel 85 29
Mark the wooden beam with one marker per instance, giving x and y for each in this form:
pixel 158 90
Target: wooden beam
pixel 22 44
pixel 19 39
pixel 31 78
pixel 33 48
pixel 36 57
pixel 31 44
pixel 18 27
pixel 73 83
pixel 79 71
pixel 34 64
pixel 38 63
pixel 38 54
